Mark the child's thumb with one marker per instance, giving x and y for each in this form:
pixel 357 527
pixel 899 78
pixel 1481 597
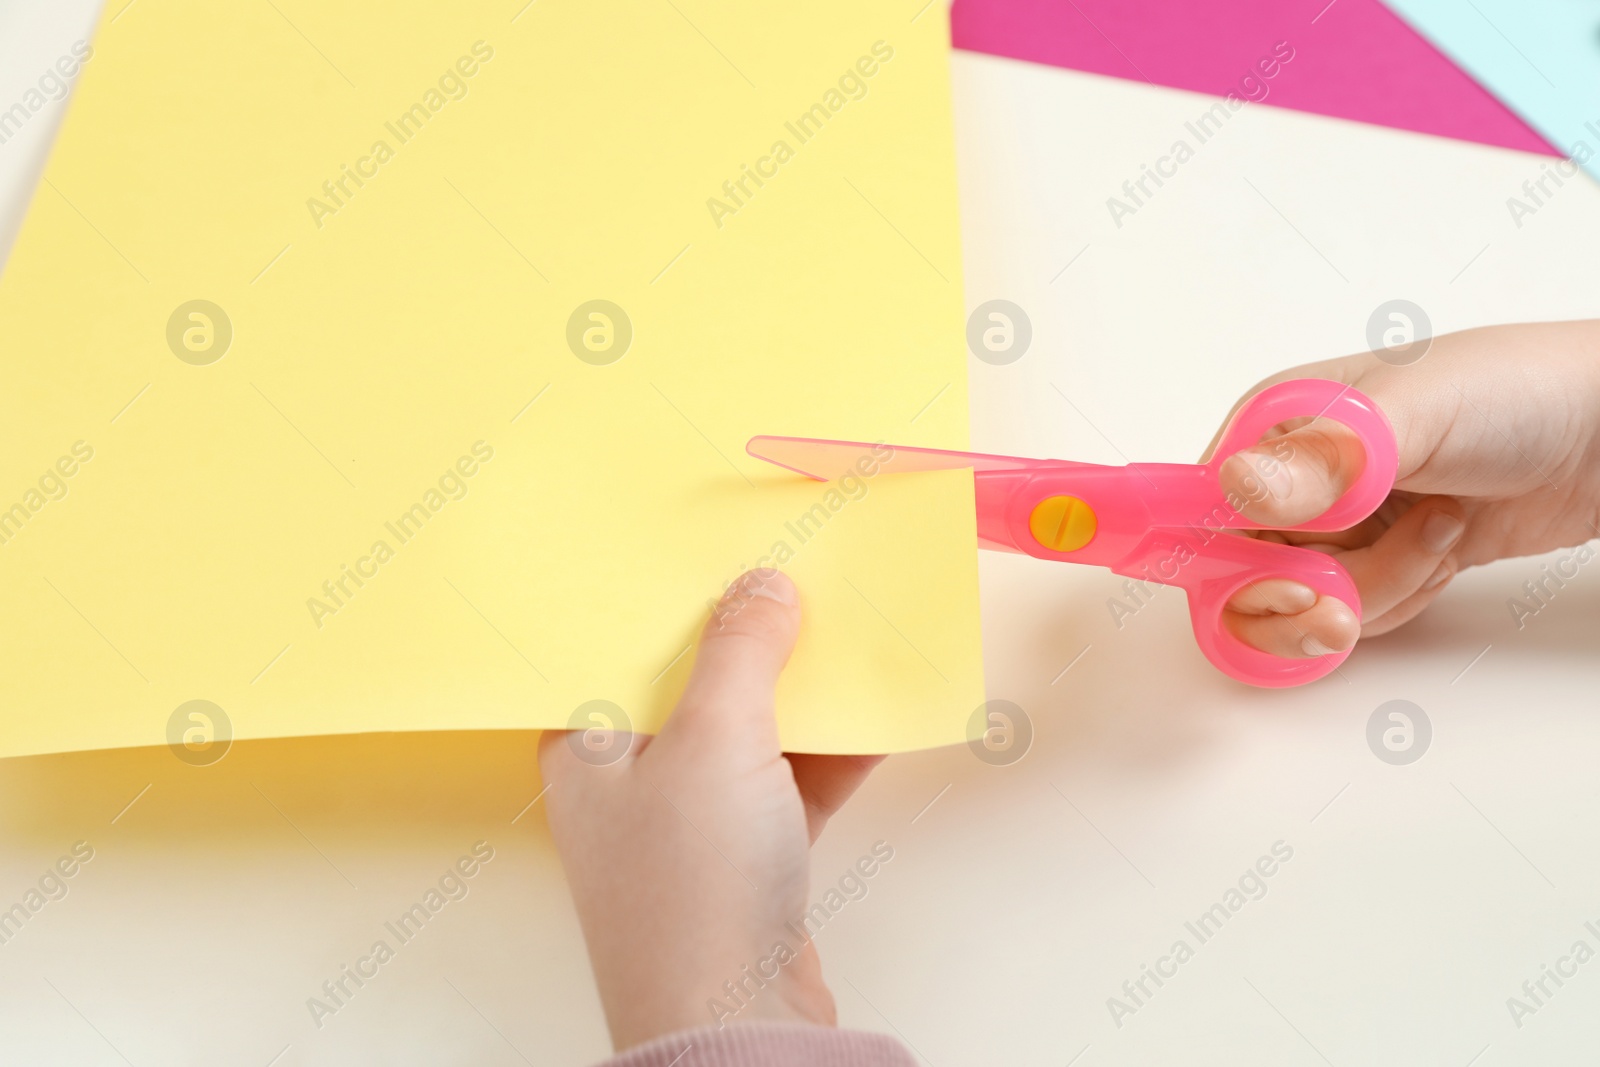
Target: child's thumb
pixel 729 699
pixel 1288 480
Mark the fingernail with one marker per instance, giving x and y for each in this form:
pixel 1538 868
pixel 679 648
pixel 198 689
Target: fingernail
pixel 1440 531
pixel 1439 577
pixel 768 582
pixel 1312 647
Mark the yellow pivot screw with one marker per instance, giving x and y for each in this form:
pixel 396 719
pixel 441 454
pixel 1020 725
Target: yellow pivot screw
pixel 1062 523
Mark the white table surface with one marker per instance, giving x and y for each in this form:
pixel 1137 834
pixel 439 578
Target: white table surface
pixel 1418 899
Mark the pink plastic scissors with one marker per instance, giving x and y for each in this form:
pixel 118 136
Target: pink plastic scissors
pixel 1157 522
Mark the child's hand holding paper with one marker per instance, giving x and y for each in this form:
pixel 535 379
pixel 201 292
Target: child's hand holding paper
pixel 689 852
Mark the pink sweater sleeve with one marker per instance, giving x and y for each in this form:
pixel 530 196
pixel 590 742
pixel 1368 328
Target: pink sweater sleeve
pixel 767 1045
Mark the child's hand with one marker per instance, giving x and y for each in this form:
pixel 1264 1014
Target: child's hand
pixel 1497 430
pixel 688 855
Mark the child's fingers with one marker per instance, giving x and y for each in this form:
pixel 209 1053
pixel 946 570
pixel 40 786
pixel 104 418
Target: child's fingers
pixel 1412 606
pixel 1411 557
pixel 1328 625
pixel 1287 618
pixel 1397 575
pixel 1273 596
pixel 727 705
pixel 1360 535
pixel 1296 477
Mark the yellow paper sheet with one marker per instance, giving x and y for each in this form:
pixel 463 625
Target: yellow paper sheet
pixel 309 413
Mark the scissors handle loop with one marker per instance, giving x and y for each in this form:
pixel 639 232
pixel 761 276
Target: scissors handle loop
pixel 1316 398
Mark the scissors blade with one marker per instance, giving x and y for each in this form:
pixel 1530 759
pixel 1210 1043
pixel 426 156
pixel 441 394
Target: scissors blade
pixel 824 460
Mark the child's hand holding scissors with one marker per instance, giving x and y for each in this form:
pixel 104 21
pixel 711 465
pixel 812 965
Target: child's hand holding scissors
pixel 1499 455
